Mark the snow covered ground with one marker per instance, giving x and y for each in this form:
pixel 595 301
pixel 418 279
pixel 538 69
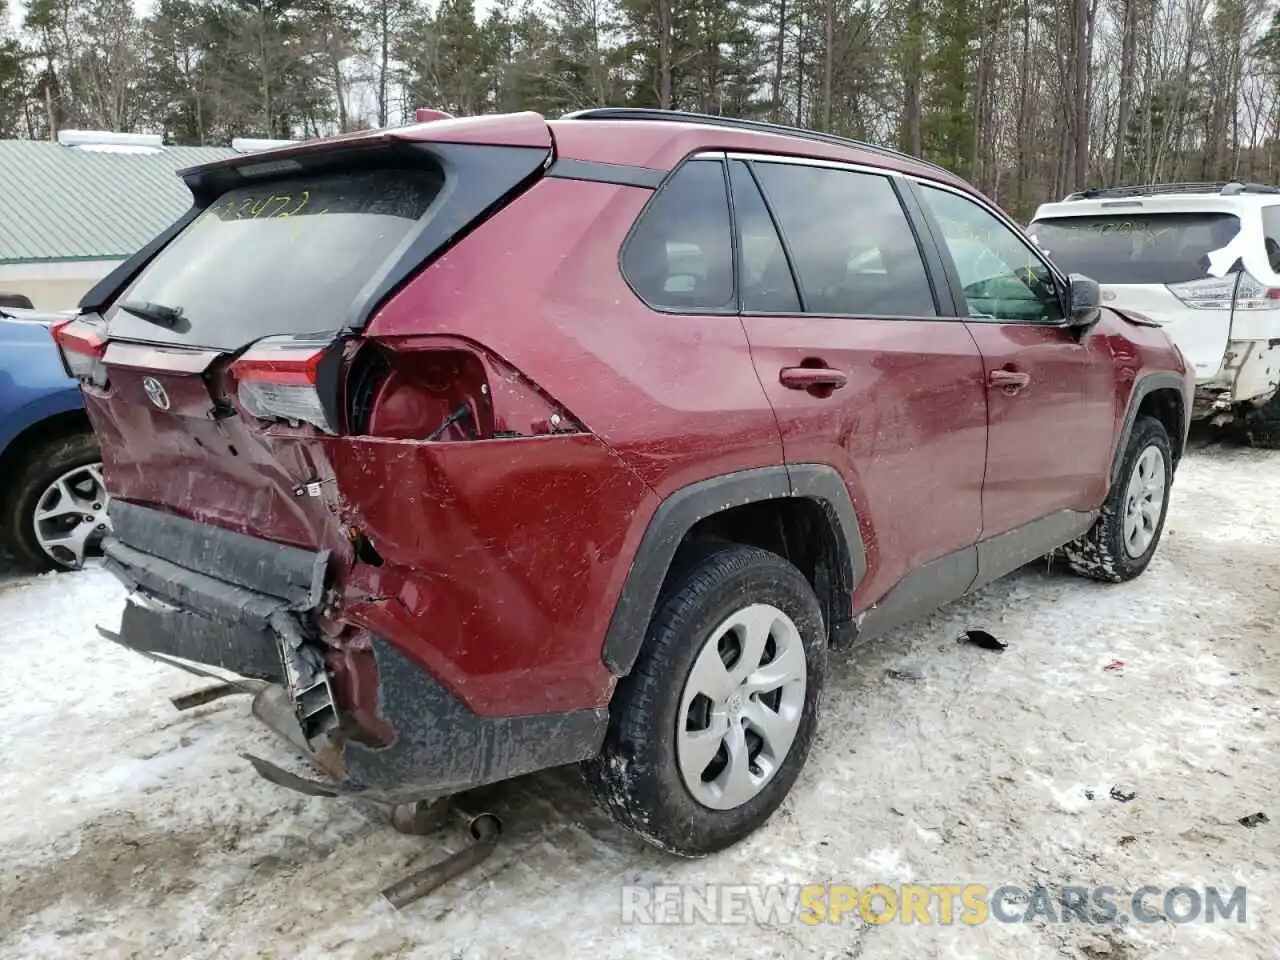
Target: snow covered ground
pixel 130 830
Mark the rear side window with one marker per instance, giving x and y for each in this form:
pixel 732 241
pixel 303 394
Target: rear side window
pixel 284 256
pixel 680 254
pixel 1136 247
pixel 763 271
pixel 850 242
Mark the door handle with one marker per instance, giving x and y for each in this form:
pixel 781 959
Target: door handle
pixel 809 378
pixel 1011 381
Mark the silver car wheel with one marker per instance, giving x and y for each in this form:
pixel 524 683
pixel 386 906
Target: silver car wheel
pixel 741 707
pixel 1144 501
pixel 70 518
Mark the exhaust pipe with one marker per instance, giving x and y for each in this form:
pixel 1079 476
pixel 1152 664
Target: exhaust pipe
pixel 485 829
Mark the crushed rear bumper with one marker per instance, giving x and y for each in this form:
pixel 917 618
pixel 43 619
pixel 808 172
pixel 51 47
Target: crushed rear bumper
pixel 223 599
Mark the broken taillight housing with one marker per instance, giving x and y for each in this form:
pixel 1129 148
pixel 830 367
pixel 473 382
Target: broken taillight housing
pixel 81 344
pixel 1252 294
pixel 282 378
pixel 442 389
pixel 1235 291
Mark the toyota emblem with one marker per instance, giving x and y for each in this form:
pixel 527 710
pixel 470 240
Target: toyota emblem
pixel 156 392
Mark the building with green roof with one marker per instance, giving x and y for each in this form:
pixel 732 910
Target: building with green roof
pixel 71 210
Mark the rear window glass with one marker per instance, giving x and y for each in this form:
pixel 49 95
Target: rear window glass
pixel 1136 248
pixel 283 256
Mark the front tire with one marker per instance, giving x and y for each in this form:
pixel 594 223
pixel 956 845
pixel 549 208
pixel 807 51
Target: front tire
pixel 709 731
pixel 55 513
pixel 1124 538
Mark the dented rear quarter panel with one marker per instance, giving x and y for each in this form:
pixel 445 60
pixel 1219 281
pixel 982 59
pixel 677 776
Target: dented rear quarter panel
pixel 501 560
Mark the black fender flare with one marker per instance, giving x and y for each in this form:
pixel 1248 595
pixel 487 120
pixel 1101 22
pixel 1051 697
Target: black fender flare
pixel 679 512
pixel 1142 388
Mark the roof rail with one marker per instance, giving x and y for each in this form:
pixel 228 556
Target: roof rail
pixel 737 123
pixel 1226 188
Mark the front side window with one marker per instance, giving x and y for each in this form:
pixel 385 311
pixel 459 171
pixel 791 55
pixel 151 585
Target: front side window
pixel 680 254
pixel 1001 277
pixel 851 245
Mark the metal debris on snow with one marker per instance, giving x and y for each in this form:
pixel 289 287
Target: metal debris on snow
pixel 980 638
pixel 906 671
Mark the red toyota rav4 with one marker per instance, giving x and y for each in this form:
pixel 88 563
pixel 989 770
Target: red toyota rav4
pixel 499 443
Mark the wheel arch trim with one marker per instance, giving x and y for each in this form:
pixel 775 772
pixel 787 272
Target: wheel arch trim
pixel 676 515
pixel 1143 387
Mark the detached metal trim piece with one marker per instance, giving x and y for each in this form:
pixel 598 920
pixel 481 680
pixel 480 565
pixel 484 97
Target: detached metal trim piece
pixel 240 684
pixel 311 788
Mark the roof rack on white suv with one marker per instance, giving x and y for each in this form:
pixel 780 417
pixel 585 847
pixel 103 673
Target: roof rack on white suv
pixel 1226 188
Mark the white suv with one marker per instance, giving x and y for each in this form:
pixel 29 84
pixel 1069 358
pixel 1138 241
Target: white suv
pixel 1204 261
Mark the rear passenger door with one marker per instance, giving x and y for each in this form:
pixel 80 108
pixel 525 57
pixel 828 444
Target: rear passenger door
pixel 864 370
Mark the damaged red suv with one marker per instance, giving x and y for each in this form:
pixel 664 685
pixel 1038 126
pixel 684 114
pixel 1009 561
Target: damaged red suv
pixel 492 444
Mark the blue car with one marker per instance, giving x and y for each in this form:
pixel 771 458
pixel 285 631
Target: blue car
pixel 53 505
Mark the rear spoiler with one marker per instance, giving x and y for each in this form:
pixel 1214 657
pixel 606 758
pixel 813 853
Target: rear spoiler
pixel 527 129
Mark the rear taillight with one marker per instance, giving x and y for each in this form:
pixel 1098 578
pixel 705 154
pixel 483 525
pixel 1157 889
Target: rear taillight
pixel 1252 294
pixel 1211 293
pixel 280 378
pixel 81 344
pixel 1236 291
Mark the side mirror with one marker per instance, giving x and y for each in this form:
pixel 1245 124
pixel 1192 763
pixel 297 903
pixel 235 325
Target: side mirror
pixel 1086 301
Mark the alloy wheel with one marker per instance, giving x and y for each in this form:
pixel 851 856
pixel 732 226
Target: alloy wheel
pixel 70 518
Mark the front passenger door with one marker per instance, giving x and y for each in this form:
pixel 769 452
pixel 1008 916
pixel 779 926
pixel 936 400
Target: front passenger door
pixel 1049 391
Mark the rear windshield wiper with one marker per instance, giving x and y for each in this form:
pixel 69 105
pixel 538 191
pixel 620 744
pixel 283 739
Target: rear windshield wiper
pixel 156 313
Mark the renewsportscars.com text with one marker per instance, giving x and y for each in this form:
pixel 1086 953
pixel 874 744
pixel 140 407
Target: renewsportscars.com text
pixel 940 903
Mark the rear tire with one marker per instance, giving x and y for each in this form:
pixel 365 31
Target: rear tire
pixel 1262 424
pixel 703 745
pixel 39 470
pixel 1124 538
